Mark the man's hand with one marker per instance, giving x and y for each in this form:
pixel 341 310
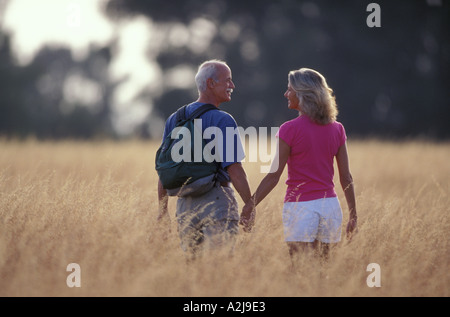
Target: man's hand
pixel 247 219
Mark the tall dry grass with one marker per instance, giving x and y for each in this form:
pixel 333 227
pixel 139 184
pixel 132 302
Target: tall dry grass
pixel 95 204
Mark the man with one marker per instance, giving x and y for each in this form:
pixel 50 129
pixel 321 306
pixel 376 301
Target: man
pixel 210 221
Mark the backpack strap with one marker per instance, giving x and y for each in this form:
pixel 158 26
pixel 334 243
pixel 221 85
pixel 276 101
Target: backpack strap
pixel 201 110
pixel 181 113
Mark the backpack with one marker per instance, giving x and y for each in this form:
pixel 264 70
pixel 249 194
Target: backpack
pixel 185 178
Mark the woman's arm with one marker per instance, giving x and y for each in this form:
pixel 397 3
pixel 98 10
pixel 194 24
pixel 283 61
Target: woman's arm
pixel 267 184
pixel 346 181
pixel 271 179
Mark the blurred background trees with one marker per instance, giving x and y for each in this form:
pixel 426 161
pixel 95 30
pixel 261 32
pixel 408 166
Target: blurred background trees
pixel 392 81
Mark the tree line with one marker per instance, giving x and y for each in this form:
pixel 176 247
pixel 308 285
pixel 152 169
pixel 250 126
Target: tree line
pixel 389 81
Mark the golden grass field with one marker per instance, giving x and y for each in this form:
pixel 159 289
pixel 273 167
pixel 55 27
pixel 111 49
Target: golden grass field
pixel 95 204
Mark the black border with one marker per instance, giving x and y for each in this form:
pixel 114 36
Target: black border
pixel 150 306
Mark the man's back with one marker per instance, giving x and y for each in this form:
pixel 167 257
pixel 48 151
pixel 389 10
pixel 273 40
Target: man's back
pixel 221 120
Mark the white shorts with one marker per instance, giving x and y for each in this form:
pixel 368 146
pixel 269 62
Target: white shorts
pixel 306 221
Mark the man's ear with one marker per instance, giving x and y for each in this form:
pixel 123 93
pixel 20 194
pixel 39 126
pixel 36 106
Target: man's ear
pixel 210 83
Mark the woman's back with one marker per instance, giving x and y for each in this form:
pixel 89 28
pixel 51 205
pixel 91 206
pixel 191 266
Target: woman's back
pixel 310 164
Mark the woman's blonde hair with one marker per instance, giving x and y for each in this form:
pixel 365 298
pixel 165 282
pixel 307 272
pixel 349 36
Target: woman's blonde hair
pixel 315 97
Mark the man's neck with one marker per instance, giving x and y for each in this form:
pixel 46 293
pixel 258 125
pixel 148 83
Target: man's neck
pixel 208 99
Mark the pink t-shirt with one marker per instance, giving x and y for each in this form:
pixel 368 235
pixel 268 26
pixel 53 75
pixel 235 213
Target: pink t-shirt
pixel 310 164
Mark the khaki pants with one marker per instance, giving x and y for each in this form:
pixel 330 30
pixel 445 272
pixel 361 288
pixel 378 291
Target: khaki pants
pixel 209 221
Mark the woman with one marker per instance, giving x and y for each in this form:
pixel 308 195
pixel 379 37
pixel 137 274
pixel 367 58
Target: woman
pixel 312 215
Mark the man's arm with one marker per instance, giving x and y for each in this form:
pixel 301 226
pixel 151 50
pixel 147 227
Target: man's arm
pixel 240 182
pixel 163 200
pixel 239 179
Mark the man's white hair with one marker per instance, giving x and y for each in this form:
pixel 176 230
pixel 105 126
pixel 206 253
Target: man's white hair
pixel 207 70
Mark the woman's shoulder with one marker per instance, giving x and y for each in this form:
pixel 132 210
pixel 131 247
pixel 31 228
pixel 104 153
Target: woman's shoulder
pixel 339 131
pixel 293 123
pixel 338 125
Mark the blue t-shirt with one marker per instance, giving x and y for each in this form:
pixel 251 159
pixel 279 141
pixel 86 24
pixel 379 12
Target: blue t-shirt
pixel 231 150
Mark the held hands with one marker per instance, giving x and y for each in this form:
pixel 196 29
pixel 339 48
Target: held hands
pixel 248 214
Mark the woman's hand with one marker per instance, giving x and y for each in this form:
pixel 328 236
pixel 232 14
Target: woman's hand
pixel 248 214
pixel 351 227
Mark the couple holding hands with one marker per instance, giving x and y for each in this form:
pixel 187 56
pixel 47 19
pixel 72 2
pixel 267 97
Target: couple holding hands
pixel 312 215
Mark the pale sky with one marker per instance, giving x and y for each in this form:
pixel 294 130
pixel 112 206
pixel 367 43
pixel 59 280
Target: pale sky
pixel 62 23
pixel 79 24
